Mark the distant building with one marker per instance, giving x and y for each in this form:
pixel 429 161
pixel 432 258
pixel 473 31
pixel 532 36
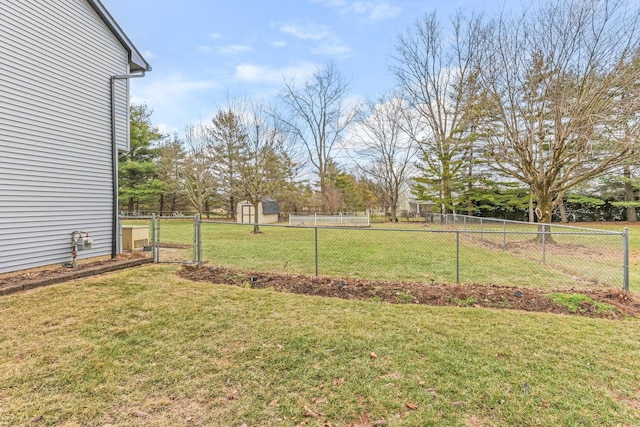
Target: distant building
pixel 268 212
pixel 408 204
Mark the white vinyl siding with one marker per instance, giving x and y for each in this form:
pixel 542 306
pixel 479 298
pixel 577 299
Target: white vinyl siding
pixel 56 60
pixel 121 92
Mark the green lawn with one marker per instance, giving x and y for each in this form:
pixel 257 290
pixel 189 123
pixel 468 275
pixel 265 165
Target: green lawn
pixel 145 348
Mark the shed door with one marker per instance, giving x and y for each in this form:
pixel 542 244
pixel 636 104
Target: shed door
pixel 247 214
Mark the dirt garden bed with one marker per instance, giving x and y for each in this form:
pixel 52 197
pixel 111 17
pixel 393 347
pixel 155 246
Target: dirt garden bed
pixel 622 304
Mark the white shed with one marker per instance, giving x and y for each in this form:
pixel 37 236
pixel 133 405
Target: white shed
pixel 268 212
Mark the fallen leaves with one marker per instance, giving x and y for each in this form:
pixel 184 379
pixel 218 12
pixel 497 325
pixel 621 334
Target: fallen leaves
pixel 308 412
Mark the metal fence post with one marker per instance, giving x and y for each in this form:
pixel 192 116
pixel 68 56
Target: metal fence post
pixel 199 240
pixel 316 243
pixel 625 261
pixel 154 242
pixel 544 246
pixel 457 257
pixel 157 246
pixel 194 240
pixel 504 235
pixel 481 231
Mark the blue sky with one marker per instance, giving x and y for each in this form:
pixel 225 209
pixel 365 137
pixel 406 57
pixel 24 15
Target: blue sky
pixel 204 51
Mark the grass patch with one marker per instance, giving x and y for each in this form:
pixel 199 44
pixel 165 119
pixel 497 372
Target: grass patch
pixel 467 302
pixel 577 303
pixel 403 298
pixel 144 347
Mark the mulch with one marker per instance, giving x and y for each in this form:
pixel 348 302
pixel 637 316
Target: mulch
pixel 472 295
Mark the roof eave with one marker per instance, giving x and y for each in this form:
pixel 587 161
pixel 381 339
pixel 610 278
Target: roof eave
pixel 136 62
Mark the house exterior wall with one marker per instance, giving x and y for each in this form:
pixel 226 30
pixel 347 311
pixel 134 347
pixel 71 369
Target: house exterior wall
pixel 56 60
pixel 407 202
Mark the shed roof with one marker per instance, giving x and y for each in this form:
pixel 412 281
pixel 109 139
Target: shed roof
pixel 270 206
pixel 136 61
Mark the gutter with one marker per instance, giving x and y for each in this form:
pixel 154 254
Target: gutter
pixel 115 250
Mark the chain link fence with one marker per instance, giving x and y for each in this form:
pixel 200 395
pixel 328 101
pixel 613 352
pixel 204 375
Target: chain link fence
pixel 549 257
pixel 445 249
pixel 168 239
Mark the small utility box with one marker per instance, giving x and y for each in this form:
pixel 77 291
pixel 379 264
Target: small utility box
pixel 134 237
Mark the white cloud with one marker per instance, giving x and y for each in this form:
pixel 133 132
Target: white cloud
pixel 215 36
pixel 332 3
pixel 233 49
pixel 165 129
pixel 147 54
pixel 176 100
pixel 278 43
pixel 332 49
pixel 205 49
pixel 369 10
pixel 373 11
pixel 306 32
pixel 169 91
pixel 329 43
pixel 251 73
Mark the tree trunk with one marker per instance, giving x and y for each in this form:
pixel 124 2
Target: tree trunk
pixel 446 194
pixel 545 204
pixel 161 207
pixel 532 215
pixel 131 206
pixel 232 207
pixel 629 195
pixel 394 214
pixel 256 227
pixel 563 209
pixel 470 188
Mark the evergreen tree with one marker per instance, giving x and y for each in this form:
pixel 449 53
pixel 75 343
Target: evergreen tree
pixel 137 170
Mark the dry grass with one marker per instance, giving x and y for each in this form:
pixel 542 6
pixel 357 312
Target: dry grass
pixel 144 347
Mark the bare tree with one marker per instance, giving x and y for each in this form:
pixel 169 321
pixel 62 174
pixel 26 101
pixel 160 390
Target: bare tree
pixel 195 176
pixel 437 70
pixel 385 152
pixel 318 116
pixel 553 81
pixel 265 165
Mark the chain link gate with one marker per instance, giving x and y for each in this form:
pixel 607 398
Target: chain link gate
pixel 177 239
pixel 170 239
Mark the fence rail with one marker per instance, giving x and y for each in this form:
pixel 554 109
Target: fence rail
pixel 328 220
